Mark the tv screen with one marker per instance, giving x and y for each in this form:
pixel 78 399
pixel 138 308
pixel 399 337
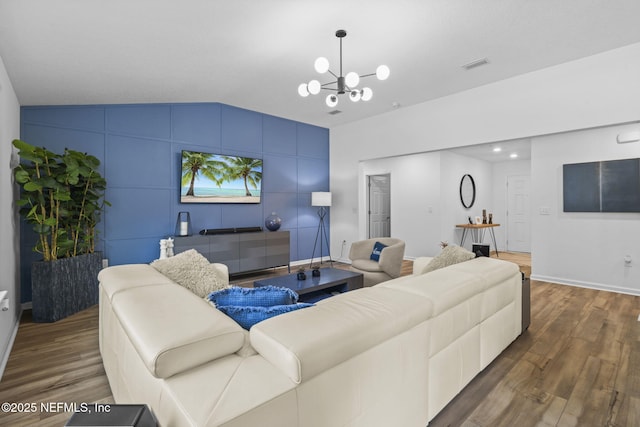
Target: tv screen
pixel 607 186
pixel 217 178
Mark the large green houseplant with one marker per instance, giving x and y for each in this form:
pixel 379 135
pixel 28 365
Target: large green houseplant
pixel 62 197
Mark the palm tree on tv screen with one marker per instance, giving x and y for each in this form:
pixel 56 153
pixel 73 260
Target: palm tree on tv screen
pixel 194 164
pixel 249 170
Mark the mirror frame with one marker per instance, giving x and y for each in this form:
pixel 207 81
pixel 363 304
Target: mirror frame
pixel 467 185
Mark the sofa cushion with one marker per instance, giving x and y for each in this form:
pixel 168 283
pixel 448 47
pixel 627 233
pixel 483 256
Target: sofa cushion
pixel 250 315
pixel 191 270
pixel 265 296
pixel 119 278
pixel 450 255
pixel 377 250
pixel 173 330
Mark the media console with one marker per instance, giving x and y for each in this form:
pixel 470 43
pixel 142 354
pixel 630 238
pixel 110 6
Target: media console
pixel 240 251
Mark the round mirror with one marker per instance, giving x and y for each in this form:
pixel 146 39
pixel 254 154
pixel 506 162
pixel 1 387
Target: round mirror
pixel 467 191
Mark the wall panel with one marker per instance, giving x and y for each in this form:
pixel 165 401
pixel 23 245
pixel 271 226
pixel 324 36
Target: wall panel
pixel 140 147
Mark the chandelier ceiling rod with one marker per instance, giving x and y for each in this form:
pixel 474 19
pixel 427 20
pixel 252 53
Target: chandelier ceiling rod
pixel 344 84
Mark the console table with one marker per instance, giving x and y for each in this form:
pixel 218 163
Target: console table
pixel 241 252
pixel 481 229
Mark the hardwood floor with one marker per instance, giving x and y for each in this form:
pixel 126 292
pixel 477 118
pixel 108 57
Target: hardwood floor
pixel 578 364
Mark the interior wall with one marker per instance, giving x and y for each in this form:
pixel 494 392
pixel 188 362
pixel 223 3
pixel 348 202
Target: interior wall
pixel 590 92
pixel 415 195
pixel 581 248
pixel 454 167
pixel 140 150
pixel 9 228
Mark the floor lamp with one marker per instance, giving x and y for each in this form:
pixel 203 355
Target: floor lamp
pixel 323 200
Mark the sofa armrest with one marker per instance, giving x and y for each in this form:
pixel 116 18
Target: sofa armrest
pixel 172 329
pixel 391 259
pixel 420 263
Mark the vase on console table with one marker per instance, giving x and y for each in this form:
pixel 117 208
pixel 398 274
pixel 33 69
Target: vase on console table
pixel 273 222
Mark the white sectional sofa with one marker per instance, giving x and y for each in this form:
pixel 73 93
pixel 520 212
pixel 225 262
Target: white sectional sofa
pixel 392 354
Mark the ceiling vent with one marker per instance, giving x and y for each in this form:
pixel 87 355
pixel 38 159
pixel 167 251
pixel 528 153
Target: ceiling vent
pixel 475 64
pixel 334 112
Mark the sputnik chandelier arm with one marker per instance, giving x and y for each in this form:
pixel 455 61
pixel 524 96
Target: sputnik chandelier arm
pixel 343 84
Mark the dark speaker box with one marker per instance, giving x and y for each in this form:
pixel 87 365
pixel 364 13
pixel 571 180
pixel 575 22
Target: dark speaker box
pixel 113 415
pixel 480 250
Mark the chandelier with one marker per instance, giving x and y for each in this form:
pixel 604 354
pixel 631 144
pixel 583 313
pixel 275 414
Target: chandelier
pixel 343 84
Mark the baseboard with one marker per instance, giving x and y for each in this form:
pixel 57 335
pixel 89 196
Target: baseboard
pixel 587 285
pixel 12 338
pixel 299 262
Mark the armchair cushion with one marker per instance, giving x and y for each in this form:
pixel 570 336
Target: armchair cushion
pixel 366 265
pixel 377 250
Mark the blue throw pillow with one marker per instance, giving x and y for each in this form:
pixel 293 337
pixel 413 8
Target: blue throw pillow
pixel 265 296
pixel 377 249
pixel 249 316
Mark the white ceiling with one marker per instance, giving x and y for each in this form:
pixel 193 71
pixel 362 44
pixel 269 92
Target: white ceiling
pixel 496 152
pixel 254 54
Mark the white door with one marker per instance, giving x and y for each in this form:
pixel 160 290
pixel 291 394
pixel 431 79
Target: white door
pixel 518 214
pixel 379 206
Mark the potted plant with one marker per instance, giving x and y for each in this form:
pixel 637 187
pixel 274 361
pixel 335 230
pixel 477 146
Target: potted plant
pixel 62 197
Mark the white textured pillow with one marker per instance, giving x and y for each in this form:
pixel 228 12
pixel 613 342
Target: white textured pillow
pixel 191 270
pixel 450 255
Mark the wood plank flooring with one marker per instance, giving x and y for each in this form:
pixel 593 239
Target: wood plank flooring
pixel 578 364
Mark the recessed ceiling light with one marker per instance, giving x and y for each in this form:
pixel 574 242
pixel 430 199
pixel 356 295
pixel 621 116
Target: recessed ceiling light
pixel 513 155
pixel 497 149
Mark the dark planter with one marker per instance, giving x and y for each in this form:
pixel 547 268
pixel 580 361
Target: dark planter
pixel 64 286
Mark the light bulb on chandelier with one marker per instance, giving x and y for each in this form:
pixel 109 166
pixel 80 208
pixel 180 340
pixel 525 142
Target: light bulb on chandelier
pixel 332 100
pixel 343 84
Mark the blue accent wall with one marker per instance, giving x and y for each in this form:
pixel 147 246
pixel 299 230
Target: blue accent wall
pixel 140 146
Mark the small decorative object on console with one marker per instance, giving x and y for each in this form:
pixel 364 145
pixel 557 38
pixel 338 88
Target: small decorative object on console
pixel 301 274
pixel 183 224
pixel 273 222
pixel 163 249
pixel 169 247
pixel 315 270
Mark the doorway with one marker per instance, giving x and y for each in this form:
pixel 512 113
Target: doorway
pixel 518 213
pixel 379 210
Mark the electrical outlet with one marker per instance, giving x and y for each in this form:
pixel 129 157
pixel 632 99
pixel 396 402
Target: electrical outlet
pixel 544 210
pixel 105 263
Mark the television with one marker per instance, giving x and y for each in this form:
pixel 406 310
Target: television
pixel 606 186
pixel 217 178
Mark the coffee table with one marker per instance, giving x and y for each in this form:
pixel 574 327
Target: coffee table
pixel 313 289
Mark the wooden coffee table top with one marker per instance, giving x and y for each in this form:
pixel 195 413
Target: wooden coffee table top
pixel 328 278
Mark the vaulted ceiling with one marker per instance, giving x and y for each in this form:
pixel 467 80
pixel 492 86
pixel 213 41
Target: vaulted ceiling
pixel 254 54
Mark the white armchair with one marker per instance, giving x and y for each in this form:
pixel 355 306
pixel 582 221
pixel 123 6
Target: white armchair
pixel 386 268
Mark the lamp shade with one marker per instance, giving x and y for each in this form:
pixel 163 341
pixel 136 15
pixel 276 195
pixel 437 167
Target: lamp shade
pixel 321 199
